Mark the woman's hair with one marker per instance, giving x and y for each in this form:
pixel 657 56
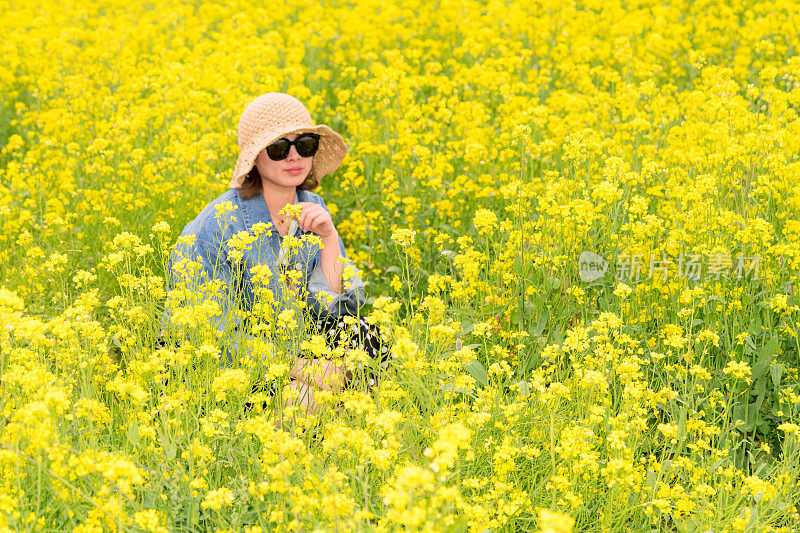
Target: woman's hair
pixel 252 184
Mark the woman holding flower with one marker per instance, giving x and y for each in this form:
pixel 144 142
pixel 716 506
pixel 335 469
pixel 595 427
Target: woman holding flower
pixel 268 249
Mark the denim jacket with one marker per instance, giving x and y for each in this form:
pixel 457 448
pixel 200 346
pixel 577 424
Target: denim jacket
pixel 229 219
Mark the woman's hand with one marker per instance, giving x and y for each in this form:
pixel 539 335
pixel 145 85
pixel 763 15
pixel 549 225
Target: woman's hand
pixel 319 373
pixel 316 219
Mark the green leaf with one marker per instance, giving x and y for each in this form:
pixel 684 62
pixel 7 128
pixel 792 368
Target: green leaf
pixel 650 480
pixel 523 389
pixel 553 283
pixel 476 370
pixel 776 372
pixel 519 317
pixel 755 326
pixel 761 390
pixel 751 525
pixel 467 327
pixel 748 414
pixel 602 282
pixel 765 357
pixel 745 300
pixel 751 347
pixel 133 433
pixel 170 449
pixel 541 323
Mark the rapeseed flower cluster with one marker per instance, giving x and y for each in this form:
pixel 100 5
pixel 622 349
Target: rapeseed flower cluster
pixel 491 144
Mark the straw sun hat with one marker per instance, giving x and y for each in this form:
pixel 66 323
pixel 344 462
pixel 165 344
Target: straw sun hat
pixel 274 115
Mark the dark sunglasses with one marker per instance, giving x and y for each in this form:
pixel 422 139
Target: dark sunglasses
pixel 306 144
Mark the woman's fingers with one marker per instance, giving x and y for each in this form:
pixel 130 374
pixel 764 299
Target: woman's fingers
pixel 309 208
pixel 317 222
pixel 302 219
pixel 315 218
pixel 312 218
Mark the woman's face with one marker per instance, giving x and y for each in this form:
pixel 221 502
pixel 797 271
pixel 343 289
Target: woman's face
pixel 289 172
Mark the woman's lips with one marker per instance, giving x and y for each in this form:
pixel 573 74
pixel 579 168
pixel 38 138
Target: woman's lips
pixel 294 171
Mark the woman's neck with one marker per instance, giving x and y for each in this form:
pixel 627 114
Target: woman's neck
pixel 277 196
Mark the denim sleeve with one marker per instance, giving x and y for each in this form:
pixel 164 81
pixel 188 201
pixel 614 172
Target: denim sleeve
pixel 208 293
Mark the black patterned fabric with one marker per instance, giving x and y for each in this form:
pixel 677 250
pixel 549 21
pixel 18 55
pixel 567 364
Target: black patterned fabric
pixel 360 335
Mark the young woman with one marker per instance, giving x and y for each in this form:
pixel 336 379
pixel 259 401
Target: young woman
pixel 241 240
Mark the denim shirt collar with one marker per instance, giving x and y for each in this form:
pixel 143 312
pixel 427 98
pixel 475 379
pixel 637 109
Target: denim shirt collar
pixel 255 209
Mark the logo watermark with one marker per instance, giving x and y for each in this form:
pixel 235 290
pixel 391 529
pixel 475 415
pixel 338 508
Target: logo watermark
pixel 591 266
pixel 633 267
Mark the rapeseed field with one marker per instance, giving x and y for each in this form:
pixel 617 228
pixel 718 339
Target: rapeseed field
pixel 578 222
